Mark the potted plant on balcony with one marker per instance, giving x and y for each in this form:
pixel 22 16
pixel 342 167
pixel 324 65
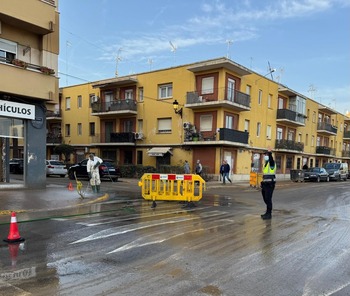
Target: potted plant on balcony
pixel 47 70
pixel 19 63
pixel 195 136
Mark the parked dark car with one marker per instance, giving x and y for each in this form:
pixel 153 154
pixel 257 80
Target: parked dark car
pixel 316 174
pixel 107 170
pixel 16 165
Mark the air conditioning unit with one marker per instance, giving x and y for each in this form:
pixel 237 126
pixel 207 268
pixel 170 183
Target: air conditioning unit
pixel 138 136
pixel 200 98
pixel 95 99
pixel 187 125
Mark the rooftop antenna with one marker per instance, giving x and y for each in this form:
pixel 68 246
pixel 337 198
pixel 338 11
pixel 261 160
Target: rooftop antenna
pixel 271 70
pixel 150 62
pixel 173 49
pixel 117 60
pixel 312 91
pixel 279 77
pixel 229 42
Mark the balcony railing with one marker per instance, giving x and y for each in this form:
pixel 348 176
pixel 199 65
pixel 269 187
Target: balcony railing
pixel 226 134
pixel 290 115
pixel 118 105
pixel 226 95
pixel 345 153
pixel 325 126
pixel 289 145
pixel 53 139
pixel 53 113
pixel 346 134
pixel 325 150
pixel 128 137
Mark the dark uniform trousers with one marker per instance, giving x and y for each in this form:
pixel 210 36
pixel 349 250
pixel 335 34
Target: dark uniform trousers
pixel 267 188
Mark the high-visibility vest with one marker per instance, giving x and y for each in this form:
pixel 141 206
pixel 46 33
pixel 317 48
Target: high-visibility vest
pixel 268 170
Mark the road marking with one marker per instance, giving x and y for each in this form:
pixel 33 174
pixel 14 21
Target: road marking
pixel 139 242
pixel 127 228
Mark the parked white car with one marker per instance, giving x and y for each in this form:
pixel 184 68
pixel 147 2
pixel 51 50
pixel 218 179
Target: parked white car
pixel 55 167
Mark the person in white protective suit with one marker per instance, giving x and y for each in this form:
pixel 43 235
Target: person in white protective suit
pixel 93 172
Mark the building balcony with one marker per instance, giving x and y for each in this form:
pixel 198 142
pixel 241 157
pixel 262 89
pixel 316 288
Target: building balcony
pixel 290 117
pixel 225 136
pixel 326 129
pixel 53 139
pixel 109 139
pixel 36 16
pixel 325 150
pixel 345 153
pixel 53 115
pixel 19 78
pixel 289 145
pixel 232 99
pixel 346 135
pixel 118 107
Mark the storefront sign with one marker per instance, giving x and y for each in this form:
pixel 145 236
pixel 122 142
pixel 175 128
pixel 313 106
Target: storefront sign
pixel 17 110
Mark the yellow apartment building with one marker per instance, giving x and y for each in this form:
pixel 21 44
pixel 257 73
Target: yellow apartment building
pixel 208 111
pixel 29 89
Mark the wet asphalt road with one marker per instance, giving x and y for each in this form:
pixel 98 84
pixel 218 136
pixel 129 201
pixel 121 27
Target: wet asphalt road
pixel 221 247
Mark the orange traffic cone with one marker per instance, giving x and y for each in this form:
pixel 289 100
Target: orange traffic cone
pixel 14 236
pixel 70 186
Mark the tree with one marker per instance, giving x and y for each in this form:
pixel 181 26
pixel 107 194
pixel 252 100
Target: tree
pixel 64 149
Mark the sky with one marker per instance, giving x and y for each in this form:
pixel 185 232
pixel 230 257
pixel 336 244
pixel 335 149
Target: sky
pixel 306 41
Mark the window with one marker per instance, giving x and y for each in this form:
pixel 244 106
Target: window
pixel 268 132
pixel 129 94
pixel 164 125
pixel 67 130
pixel 207 85
pixel 306 139
pixel 279 134
pixel 108 96
pixel 231 90
pixel 229 121
pixel 308 114
pixel 269 101
pixel 206 123
pixel 258 129
pixel 92 128
pixel 312 141
pixel 128 126
pixel 79 129
pixel 280 103
pixel 165 91
pixel 260 97
pixel 80 101
pixel 248 89
pixel 68 103
pixel 8 50
pixel 141 94
pixel 246 125
pixel 299 138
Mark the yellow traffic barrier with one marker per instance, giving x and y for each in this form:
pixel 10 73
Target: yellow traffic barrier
pixel 255 179
pixel 171 187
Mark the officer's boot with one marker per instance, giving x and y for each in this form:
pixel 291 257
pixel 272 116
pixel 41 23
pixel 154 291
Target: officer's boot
pixel 97 188
pixel 93 188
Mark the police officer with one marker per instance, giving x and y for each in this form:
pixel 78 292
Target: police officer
pixel 268 183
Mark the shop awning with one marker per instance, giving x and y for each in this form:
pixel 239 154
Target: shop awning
pixel 159 151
